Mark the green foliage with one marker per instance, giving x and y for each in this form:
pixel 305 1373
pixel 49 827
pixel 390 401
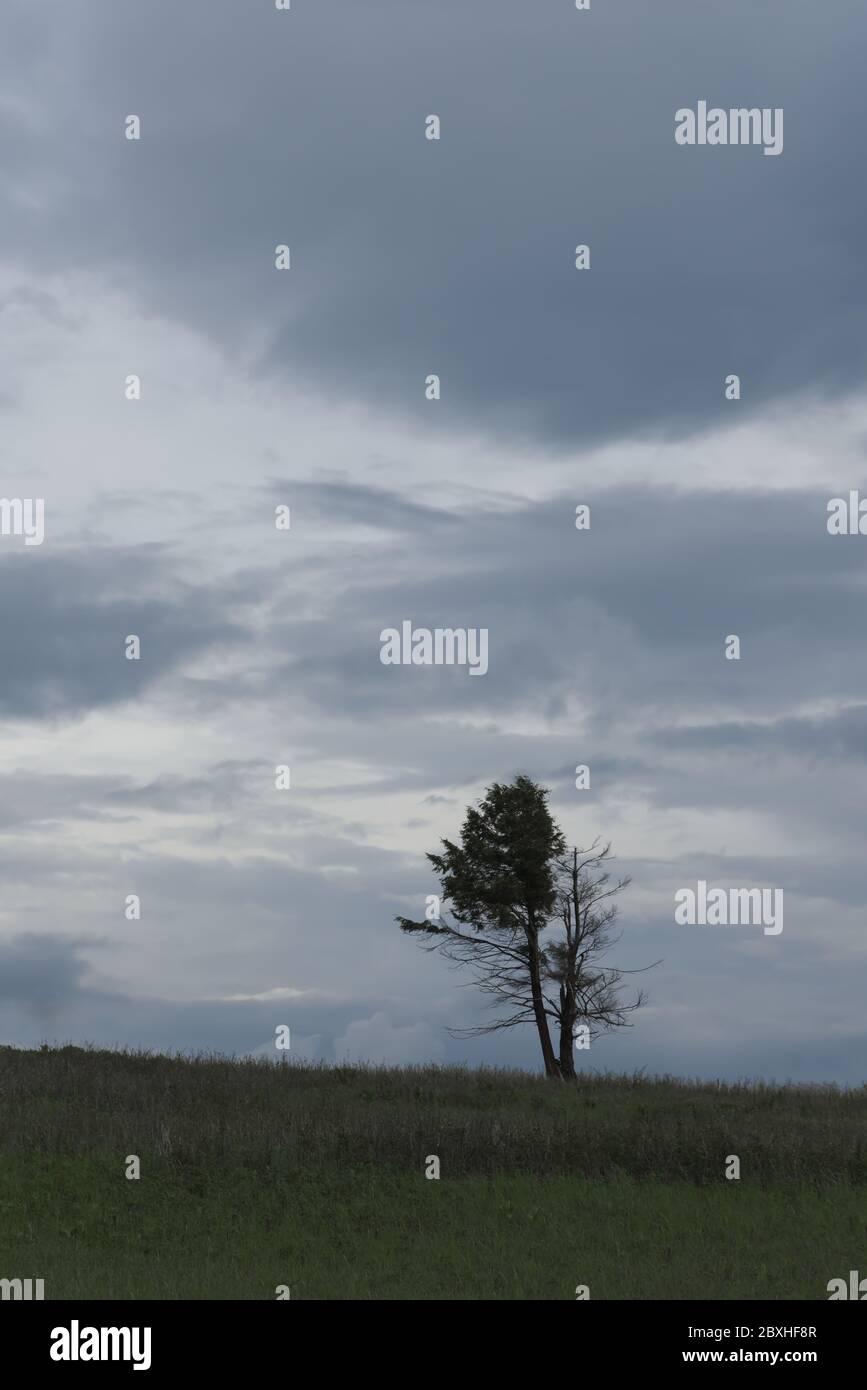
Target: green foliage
pixel 505 864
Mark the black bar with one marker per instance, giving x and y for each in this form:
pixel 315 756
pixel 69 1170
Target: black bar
pixel 285 1336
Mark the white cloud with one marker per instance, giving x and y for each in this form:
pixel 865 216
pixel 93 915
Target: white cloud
pixel 378 1040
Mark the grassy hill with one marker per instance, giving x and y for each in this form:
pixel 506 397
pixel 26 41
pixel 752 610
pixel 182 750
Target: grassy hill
pixel 255 1176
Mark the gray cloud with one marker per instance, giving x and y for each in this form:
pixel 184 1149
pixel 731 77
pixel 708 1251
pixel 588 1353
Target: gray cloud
pixel 456 257
pixel 66 616
pixel 653 589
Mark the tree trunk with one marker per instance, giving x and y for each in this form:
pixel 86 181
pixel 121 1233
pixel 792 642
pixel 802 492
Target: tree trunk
pixel 552 1067
pixel 567 1032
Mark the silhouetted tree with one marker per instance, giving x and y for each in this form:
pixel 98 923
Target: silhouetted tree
pixel 510 884
pixel 500 882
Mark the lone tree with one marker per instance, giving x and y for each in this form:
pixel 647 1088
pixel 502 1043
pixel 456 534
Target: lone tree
pixel 508 882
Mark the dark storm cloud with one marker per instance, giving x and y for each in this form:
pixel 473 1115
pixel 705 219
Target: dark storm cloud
pixel 412 257
pixel 65 617
pixel 630 616
pixel 40 969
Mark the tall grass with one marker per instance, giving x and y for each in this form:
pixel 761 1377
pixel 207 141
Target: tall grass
pixel 194 1112
pixel 256 1176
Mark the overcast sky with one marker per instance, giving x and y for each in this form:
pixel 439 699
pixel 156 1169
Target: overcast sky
pixel 306 387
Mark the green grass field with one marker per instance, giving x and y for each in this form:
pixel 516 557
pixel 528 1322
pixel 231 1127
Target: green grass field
pixel 255 1176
